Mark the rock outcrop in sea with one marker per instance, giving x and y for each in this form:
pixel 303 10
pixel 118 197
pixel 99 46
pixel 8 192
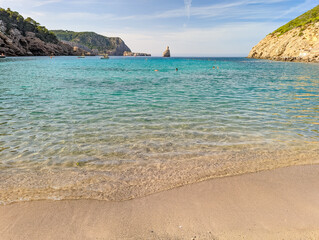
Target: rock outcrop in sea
pixel 298 40
pixel 167 52
pixel 25 37
pixel 133 54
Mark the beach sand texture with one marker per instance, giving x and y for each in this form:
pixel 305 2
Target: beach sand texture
pixel 277 204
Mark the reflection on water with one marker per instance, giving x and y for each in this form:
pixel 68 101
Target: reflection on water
pixel 117 124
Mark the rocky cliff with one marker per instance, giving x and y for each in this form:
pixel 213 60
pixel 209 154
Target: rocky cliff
pixel 298 40
pixel 94 42
pixel 25 37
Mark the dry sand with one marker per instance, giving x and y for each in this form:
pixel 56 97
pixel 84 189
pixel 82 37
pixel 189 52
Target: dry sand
pixel 278 204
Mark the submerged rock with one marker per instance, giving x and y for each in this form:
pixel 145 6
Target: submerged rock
pixel 167 52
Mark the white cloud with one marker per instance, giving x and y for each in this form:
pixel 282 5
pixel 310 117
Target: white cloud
pixel 188 4
pixel 229 9
pixel 301 8
pixel 29 3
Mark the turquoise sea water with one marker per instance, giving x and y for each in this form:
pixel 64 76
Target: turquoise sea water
pixel 116 129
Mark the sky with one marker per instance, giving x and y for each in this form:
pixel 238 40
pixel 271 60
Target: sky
pixel 213 28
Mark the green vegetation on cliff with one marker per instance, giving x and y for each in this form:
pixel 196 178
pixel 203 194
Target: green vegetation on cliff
pixel 13 19
pixel 311 16
pixel 92 40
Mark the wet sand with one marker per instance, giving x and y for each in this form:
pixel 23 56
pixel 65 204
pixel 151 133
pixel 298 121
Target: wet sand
pixel 277 204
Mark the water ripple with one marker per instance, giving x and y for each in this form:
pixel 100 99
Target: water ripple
pixel 69 114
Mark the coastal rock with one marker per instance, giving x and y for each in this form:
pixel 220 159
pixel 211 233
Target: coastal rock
pixel 3 28
pixel 16 41
pixel 295 45
pixel 133 54
pixel 77 46
pixel 299 43
pixel 167 52
pixel 26 37
pixel 16 44
pixel 93 43
pixel 30 34
pixel 120 46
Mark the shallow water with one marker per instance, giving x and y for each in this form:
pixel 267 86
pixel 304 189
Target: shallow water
pixel 116 129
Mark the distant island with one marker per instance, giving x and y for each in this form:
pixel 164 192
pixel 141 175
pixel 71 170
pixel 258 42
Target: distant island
pixel 297 40
pixel 26 37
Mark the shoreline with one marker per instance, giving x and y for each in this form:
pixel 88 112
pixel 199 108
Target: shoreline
pixel 129 181
pixel 273 204
pixel 295 60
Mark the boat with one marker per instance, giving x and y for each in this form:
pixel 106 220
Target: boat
pixel 105 56
pixel 83 56
pixel 2 56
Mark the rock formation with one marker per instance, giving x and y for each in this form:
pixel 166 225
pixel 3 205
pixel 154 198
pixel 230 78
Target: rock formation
pixel 93 42
pixel 132 54
pixel 296 41
pixel 15 44
pixel 80 46
pixel 295 45
pixel 25 37
pixel 167 52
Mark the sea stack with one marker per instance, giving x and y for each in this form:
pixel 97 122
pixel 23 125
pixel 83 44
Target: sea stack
pixel 167 52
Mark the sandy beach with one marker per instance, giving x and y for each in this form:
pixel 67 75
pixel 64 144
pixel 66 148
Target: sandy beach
pixel 277 204
pixel 164 120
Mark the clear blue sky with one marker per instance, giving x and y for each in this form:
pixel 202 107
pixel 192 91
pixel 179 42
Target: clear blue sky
pixel 189 27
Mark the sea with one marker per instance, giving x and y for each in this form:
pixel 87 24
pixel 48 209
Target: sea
pixel 127 127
